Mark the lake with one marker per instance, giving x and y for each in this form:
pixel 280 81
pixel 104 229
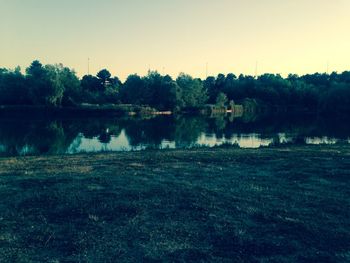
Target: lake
pixel 69 136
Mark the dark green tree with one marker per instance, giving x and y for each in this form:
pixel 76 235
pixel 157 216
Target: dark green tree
pixel 44 83
pixel 71 83
pixel 104 75
pixel 13 89
pixel 192 91
pixel 221 99
pixel 133 90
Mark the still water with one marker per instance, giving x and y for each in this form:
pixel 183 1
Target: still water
pixel 39 137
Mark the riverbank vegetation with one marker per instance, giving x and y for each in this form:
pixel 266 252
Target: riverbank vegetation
pixel 56 85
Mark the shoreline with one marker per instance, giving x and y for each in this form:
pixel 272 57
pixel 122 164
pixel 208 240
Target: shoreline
pixel 230 149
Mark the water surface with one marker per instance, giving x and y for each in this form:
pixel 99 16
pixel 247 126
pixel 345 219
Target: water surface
pixel 39 137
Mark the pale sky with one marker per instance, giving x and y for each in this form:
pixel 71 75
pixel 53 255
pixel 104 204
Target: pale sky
pixel 172 36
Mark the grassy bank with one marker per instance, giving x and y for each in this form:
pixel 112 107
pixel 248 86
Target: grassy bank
pixel 217 205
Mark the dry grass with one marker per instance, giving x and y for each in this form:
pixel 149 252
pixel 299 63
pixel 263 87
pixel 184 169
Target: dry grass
pixel 206 205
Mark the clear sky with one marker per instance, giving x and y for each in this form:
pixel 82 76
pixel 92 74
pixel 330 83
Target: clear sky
pixel 172 36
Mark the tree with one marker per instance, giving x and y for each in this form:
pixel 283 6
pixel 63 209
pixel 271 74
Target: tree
pixel 104 75
pixel 35 70
pixel 45 84
pixel 115 82
pixel 219 84
pixel 221 99
pixel 102 88
pixel 166 92
pixel 53 93
pixel 209 86
pixel 192 91
pixel 153 89
pixel 336 100
pixel 162 91
pixel 90 83
pixel 170 94
pixel 133 90
pixel 13 89
pixel 72 88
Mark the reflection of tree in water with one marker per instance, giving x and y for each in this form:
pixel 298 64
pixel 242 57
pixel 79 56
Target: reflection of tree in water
pixel 36 137
pixel 53 137
pixel 299 140
pixel 102 129
pixel 189 129
pixel 149 132
pixel 217 125
pixel 220 123
pixel 105 137
pixel 183 130
pixel 74 147
pixel 56 137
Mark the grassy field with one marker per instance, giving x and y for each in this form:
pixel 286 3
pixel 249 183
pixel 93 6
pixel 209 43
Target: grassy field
pixel 204 205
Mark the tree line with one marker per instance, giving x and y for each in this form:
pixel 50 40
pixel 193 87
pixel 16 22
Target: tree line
pixel 57 85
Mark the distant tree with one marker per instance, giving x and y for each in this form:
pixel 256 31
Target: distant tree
pixel 170 94
pixel 115 82
pixel 317 79
pixel 272 88
pixel 221 99
pixel 71 83
pixel 153 93
pixel 192 91
pixel 36 70
pixel 57 85
pixel 45 85
pixel 161 92
pixel 133 90
pixel 230 85
pixel 345 77
pixel 36 81
pixel 53 93
pixel 91 83
pixel 219 84
pixel 155 90
pixel 104 75
pixel 209 86
pixel 293 77
pixel 336 100
pixel 112 91
pixel 13 89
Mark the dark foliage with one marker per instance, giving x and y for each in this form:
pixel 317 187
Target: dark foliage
pixel 56 85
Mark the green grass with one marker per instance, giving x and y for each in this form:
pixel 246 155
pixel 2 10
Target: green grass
pixel 203 205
